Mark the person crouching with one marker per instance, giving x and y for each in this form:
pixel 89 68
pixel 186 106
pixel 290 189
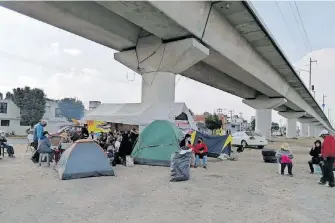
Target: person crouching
pixel 201 151
pixel 285 156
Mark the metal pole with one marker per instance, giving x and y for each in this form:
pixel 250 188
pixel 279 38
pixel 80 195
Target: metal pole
pixel 323 102
pixel 310 72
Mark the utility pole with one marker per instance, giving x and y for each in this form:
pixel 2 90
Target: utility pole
pixel 310 72
pixel 323 102
pixel 231 114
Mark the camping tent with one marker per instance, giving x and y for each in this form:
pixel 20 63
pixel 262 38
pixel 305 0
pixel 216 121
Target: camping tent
pixel 156 143
pixel 216 144
pixel 84 158
pixel 140 114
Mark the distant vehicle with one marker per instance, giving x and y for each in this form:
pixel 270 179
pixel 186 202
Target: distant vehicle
pixel 248 138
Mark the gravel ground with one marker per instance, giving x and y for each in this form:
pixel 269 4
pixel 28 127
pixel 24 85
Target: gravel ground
pixel 247 190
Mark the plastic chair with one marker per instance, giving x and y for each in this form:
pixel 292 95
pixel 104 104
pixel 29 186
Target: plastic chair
pixel 42 157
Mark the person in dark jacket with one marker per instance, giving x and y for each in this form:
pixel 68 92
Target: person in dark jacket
pixel 84 132
pixel 316 155
pixel 3 144
pixel 184 141
pixel 328 155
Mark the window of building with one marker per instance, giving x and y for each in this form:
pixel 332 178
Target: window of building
pixel 182 117
pixel 58 114
pixel 3 107
pixel 24 123
pixel 4 122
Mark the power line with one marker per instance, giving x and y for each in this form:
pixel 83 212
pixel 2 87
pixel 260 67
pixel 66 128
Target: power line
pixel 303 26
pixel 299 27
pixel 286 23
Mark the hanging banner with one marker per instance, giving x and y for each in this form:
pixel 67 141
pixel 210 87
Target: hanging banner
pixel 98 126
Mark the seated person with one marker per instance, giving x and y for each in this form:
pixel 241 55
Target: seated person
pixel 84 132
pixel 102 139
pixel 3 144
pixel 201 151
pixel 44 145
pixel 316 155
pixel 285 156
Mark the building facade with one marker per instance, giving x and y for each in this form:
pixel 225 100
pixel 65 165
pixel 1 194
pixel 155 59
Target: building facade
pixel 10 121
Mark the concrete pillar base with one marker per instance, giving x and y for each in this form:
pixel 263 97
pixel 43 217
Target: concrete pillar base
pixel 292 118
pixel 158 63
pixel 158 87
pixel 264 106
pixel 263 122
pixel 304 129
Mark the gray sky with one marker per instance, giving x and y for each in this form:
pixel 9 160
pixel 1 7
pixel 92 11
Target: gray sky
pixel 65 65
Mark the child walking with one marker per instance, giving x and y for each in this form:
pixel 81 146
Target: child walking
pixel 285 156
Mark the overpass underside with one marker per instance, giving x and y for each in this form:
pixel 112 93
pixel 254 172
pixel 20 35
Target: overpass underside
pixel 229 49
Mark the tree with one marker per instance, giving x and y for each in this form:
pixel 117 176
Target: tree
pixel 9 96
pixel 253 125
pixel 31 103
pixel 71 108
pixel 213 122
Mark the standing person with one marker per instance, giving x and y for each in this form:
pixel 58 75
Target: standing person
pixel 184 141
pixel 328 155
pixel 316 155
pixel 285 156
pixel 201 151
pixel 37 136
pixel 84 132
pixel 38 132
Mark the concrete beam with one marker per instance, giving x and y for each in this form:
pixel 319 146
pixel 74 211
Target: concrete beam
pixel 292 115
pixel 152 55
pixel 221 36
pixel 159 62
pixel 87 19
pixel 263 102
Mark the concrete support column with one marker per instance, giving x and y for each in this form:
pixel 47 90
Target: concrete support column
pixel 264 106
pixel 263 121
pixel 311 130
pixel 158 63
pixel 304 129
pixel 158 87
pixel 292 118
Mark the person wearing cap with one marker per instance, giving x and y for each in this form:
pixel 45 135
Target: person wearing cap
pixel 328 154
pixel 285 156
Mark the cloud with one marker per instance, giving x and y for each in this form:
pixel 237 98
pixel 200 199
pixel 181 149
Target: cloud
pixel 55 48
pixel 72 52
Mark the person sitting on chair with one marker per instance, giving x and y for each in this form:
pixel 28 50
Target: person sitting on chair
pixel 201 151
pixel 3 144
pixel 44 144
pixel 316 155
pixel 285 156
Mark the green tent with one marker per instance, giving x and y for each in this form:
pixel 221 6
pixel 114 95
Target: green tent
pixel 156 143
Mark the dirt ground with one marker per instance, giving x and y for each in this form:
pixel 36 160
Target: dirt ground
pixel 247 190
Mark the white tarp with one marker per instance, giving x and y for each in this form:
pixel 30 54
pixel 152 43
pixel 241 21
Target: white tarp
pixel 139 113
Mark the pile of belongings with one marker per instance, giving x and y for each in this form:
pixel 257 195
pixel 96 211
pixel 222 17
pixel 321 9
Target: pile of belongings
pixel 180 165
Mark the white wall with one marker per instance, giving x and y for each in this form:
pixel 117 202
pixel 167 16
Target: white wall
pixel 13 115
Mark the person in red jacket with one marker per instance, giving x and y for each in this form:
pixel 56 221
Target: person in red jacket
pixel 328 154
pixel 201 151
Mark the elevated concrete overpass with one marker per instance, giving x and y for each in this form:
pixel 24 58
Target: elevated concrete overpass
pixel 223 44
